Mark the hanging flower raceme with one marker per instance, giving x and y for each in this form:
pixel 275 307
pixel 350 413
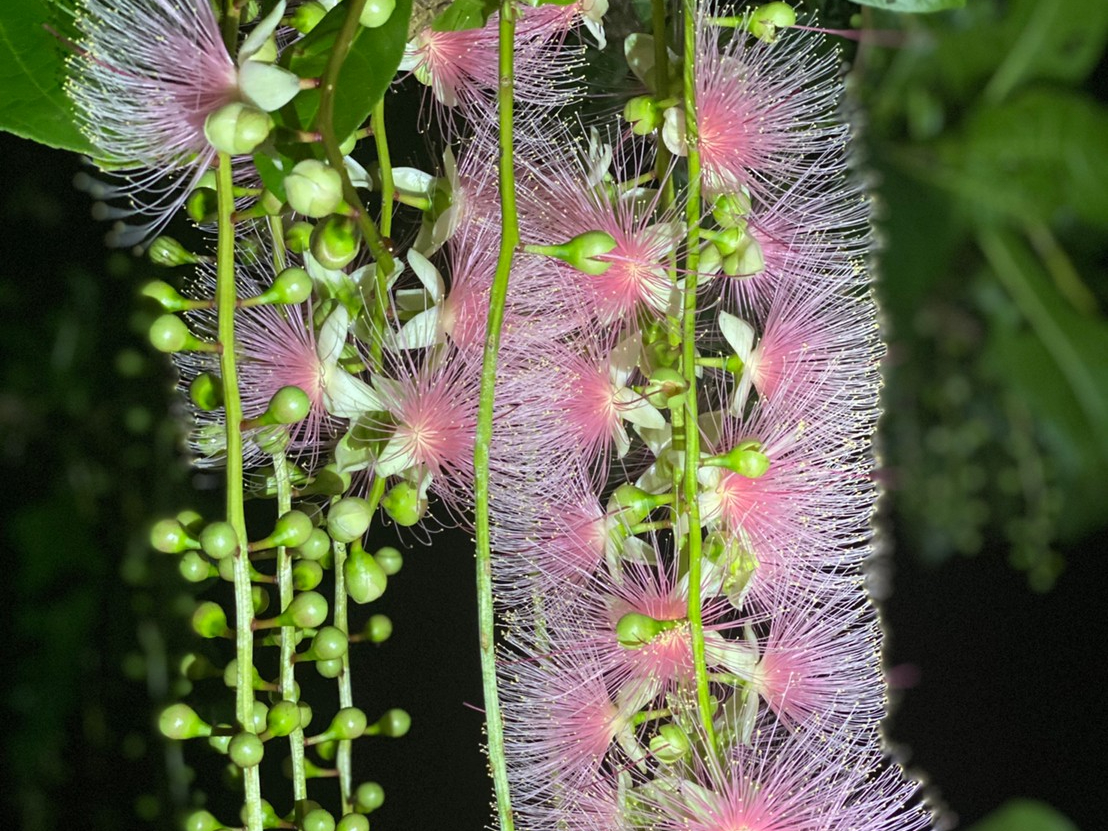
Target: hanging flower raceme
pixel 158 94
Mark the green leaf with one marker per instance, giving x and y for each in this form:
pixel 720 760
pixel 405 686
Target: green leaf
pixel 1024 815
pixel 32 71
pixel 368 70
pixel 465 14
pixel 913 6
pixel 1030 159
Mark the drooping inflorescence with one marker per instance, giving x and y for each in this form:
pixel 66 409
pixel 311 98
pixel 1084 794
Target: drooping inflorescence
pixel 680 480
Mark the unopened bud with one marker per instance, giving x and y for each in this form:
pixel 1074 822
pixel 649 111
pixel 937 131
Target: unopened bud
pixel 313 188
pixel 335 241
pixel 765 21
pixel 237 128
pixel 376 13
pixel 166 251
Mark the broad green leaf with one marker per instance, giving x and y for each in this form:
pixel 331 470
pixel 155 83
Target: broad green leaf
pixel 369 68
pixel 32 71
pixel 913 6
pixel 1032 158
pixel 1024 815
pixel 465 14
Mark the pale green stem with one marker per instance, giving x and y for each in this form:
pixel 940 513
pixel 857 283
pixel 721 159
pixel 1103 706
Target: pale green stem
pixel 509 240
pixel 688 363
pixel 288 633
pixel 384 161
pixel 277 233
pixel 226 296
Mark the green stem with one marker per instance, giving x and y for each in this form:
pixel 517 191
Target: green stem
pixel 509 241
pixel 226 296
pixel 230 26
pixel 288 634
pixel 388 189
pixel 688 363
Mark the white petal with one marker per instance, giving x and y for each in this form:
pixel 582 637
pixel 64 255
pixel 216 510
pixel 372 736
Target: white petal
pixel 428 275
pixel 673 131
pixel 637 410
pixel 421 331
pixel 738 333
pixel 345 396
pixel 411 180
pixel 395 458
pixel 260 33
pixel 332 335
pixel 267 86
pixel 623 360
pixel 359 176
pixel 638 49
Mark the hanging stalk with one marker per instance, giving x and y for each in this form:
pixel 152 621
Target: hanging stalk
pixel 693 539
pixel 226 297
pixel 509 241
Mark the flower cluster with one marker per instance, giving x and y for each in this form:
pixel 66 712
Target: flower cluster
pixel 681 473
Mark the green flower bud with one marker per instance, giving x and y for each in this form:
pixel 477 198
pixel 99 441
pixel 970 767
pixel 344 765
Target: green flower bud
pixel 404 505
pixel 210 621
pixel 376 13
pixel 348 723
pixel 666 386
pixel 259 599
pixel 282 718
pixel 336 241
pixel 633 504
pixel 307 16
pixel 292 528
pixel 206 392
pixel 766 20
pixel 394 724
pixel 353 822
pixel 306 575
pixel 194 568
pixel 260 714
pixel 369 797
pixel 237 128
pixel 349 519
pixel 378 629
pixel 169 334
pixel 269 816
pixel 670 745
pixel 306 611
pixel 327 482
pixel 291 286
pixel 317 819
pixel 581 251
pixel 202 205
pixel 219 540
pixel 316 547
pixel 166 251
pixel 313 188
pixel 365 579
pixel 329 669
pixel 165 296
pixel 170 537
pixel 305 713
pixel 731 209
pixel 298 236
pixel 635 630
pixel 329 643
pixel 180 721
pixel 221 741
pixel 202 821
pixel 746 459
pixel 390 560
pixel 246 750
pixel 231 677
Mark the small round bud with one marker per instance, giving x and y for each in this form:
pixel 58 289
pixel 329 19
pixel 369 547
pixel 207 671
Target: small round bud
pixel 394 724
pixel 298 237
pixel 635 630
pixel 365 579
pixel 206 392
pixel 170 537
pixel 246 750
pixel 259 599
pixel 164 295
pixel 237 128
pixel 219 540
pixel 166 251
pixel 378 629
pixel 202 205
pixel 329 669
pixel 348 723
pixel 289 405
pixel 353 822
pixel 746 459
pixel 305 713
pixel 665 385
pixel 329 643
pixel 202 821
pixel 306 575
pixel 390 560
pixel 210 621
pixel 335 241
pixel 291 286
pixel 180 721
pixel 307 16
pixel 292 528
pixel 349 519
pixel 766 20
pixel 194 568
pixel 316 547
pixel 306 611
pixel 313 188
pixel 369 797
pixel 317 819
pixel 282 718
pixel 376 13
pixel 404 505
pixel 348 144
pixel 169 334
pixel 731 209
pixel 259 716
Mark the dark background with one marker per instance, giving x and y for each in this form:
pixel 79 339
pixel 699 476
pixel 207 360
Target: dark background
pixel 995 613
